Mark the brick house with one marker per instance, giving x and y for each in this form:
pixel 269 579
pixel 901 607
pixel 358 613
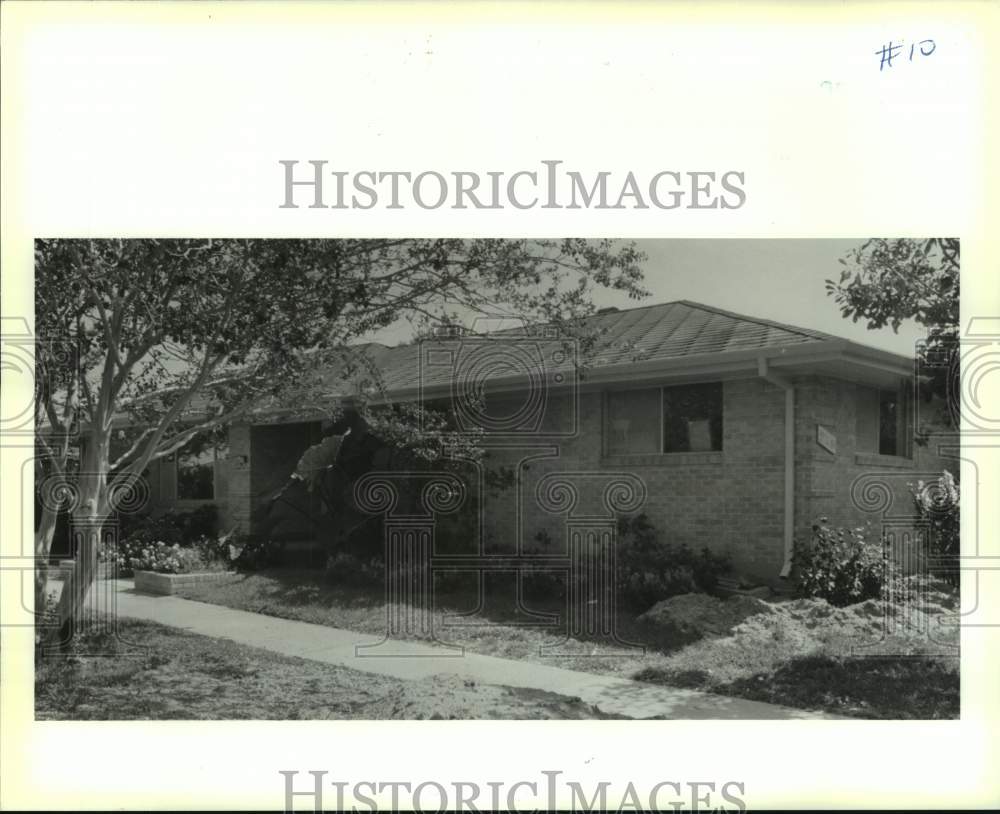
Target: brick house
pixel 742 430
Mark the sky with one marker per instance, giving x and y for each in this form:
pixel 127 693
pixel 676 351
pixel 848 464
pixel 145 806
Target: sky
pixel 781 280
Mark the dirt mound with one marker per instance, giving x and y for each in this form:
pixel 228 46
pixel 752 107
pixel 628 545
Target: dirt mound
pixel 814 624
pixel 909 625
pixel 447 697
pixel 693 616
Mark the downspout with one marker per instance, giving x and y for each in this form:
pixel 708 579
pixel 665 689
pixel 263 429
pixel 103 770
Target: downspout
pixel 789 531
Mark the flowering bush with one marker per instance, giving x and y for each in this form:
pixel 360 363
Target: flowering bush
pixel 842 565
pixel 123 553
pixel 168 559
pixel 939 504
pixel 137 533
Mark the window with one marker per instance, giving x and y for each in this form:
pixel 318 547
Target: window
pixel 633 422
pixel 883 421
pixel 692 418
pixel 198 470
pixel 684 418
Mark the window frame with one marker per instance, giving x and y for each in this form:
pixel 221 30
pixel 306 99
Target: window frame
pixel 173 461
pixel 904 401
pixel 660 451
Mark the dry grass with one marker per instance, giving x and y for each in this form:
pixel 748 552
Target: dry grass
pixel 151 672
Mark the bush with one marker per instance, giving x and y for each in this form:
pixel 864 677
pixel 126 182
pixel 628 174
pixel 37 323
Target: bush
pixel 347 569
pixel 939 505
pixel 168 559
pixel 542 584
pixel 171 526
pixel 253 554
pixel 842 565
pixel 198 523
pixel 122 555
pixel 186 529
pixel 651 570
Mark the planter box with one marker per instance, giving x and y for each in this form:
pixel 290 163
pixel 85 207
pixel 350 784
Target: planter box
pixel 150 582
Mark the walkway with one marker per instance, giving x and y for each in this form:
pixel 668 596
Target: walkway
pixel 415 660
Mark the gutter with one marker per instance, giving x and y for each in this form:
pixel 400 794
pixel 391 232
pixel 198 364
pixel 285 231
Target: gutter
pixel 789 529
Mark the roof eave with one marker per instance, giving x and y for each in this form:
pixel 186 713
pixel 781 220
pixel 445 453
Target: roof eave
pixel 723 363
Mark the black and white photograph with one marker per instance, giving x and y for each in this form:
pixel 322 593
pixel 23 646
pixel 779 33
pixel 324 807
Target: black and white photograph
pixel 497 479
pixel 524 406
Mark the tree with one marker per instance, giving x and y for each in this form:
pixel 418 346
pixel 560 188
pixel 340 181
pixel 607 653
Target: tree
pixel 888 281
pixel 145 344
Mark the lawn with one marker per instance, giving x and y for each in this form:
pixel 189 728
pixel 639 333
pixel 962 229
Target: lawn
pixel 805 658
pixel 152 672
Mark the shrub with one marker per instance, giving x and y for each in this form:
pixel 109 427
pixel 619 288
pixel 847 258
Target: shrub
pixel 214 548
pixel 167 559
pixel 542 584
pixel 198 523
pixel 939 504
pixel 186 529
pixel 253 554
pixel 347 569
pixel 842 565
pixel 149 529
pixel 651 570
pixel 171 526
pixel 122 555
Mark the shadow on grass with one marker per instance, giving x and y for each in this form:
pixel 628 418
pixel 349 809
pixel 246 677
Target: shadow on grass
pixel 288 592
pixel 892 688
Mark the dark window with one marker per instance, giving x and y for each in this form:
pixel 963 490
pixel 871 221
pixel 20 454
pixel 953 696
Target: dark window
pixel 633 422
pixel 196 470
pixel 883 423
pixel 692 418
pixel 684 418
pixel 888 423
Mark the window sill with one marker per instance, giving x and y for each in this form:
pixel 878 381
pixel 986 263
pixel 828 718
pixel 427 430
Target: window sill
pixel 664 459
pixel 891 461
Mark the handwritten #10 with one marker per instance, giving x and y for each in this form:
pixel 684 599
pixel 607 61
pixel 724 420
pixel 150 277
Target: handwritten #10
pixel 889 52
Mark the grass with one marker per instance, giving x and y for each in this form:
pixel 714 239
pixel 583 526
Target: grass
pixel 766 664
pixel 151 672
pixel 832 677
pixel 494 627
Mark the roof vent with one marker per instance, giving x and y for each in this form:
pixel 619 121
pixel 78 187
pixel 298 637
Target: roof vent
pixel 609 309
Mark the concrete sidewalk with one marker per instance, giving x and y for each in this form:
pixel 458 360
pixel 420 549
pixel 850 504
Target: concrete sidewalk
pixel 415 660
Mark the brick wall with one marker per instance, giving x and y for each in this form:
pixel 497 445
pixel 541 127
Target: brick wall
pixel 825 479
pixel 728 501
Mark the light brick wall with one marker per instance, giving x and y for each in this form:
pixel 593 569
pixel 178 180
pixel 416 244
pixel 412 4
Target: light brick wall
pixel 824 480
pixel 728 501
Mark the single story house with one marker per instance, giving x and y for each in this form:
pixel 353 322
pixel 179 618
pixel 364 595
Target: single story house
pixel 742 430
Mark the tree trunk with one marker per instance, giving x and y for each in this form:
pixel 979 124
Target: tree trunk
pixel 88 517
pixel 43 548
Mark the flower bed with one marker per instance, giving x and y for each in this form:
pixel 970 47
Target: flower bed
pixel 165 569
pixel 151 582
